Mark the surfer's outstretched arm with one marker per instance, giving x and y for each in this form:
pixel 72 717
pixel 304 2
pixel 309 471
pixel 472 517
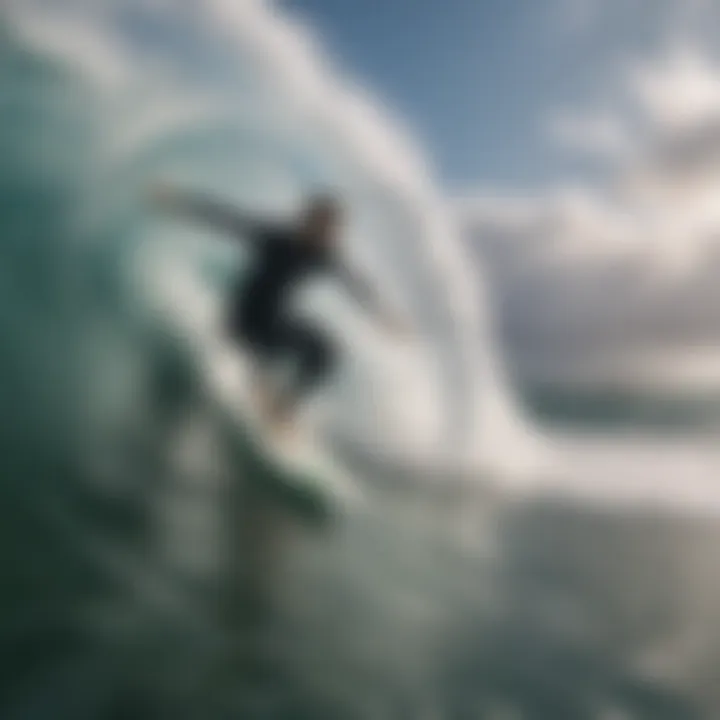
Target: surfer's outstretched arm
pixel 209 211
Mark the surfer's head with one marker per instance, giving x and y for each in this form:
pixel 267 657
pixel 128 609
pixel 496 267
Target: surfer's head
pixel 320 220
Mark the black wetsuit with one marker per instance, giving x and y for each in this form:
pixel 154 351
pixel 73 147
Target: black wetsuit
pixel 259 313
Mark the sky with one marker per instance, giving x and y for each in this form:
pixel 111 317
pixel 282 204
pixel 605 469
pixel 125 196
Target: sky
pixel 579 142
pixel 480 80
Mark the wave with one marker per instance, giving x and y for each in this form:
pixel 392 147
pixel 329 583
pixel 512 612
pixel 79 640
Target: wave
pixel 114 471
pixel 241 104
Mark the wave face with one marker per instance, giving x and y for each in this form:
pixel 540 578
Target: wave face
pixel 113 470
pixel 238 101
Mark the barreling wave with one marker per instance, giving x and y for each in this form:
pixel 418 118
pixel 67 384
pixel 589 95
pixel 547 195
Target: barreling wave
pixel 238 102
pixel 113 471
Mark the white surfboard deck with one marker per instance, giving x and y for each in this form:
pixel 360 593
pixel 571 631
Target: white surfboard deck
pixel 297 461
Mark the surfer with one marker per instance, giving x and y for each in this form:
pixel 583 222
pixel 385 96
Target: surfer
pixel 260 314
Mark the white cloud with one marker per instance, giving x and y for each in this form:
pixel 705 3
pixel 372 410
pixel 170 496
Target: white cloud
pixel 604 283
pixel 679 92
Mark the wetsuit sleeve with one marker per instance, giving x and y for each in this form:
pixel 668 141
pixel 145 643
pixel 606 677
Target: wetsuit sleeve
pixel 216 214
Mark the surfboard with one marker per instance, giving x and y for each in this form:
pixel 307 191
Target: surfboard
pixel 295 472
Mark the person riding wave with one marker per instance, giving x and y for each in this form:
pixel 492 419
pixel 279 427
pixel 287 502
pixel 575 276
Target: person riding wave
pixel 260 315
